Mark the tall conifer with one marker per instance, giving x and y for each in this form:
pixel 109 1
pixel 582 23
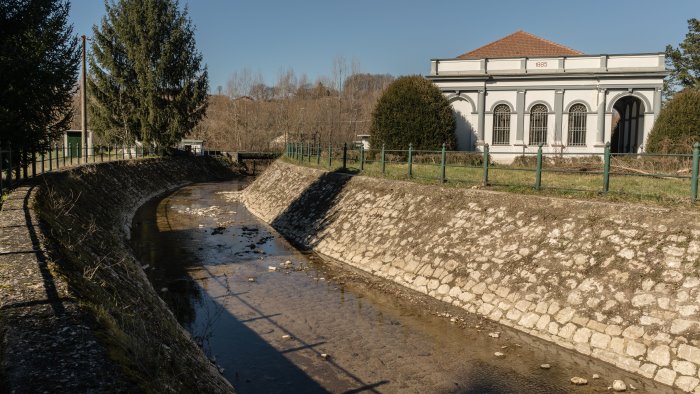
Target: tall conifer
pixel 38 72
pixel 147 81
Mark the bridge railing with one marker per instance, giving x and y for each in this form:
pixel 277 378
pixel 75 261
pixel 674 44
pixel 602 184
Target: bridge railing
pixel 629 176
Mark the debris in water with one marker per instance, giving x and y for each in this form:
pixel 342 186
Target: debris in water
pixel 596 376
pixel 579 381
pixel 545 366
pixel 499 354
pixel 271 268
pixel 145 267
pixel 494 334
pixel 164 289
pixel 251 279
pixel 324 356
pixel 286 337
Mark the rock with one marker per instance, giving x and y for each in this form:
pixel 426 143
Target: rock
pixel 619 385
pixel 499 354
pixel 494 334
pixel 596 376
pixel 579 381
pixel 271 268
pixel 545 366
pixel 164 289
pixel 251 279
pixel 325 356
pixel 286 337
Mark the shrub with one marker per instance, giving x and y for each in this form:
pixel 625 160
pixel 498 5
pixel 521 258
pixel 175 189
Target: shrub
pixel 413 111
pixel 678 125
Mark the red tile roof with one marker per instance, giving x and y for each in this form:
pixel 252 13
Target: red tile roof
pixel 520 44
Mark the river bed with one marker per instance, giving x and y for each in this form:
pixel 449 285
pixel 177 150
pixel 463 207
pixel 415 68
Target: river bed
pixel 277 320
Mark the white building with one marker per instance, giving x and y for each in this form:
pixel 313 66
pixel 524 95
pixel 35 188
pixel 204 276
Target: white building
pixel 523 90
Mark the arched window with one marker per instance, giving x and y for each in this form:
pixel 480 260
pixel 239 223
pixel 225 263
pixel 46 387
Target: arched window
pixel 538 125
pixel 577 125
pixel 501 125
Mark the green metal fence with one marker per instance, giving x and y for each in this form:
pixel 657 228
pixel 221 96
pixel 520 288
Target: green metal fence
pixel 650 176
pixel 17 165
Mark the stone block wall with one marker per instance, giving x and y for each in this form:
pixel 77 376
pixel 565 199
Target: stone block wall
pixel 618 282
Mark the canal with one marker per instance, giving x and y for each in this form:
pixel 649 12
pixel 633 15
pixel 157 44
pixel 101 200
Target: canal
pixel 277 320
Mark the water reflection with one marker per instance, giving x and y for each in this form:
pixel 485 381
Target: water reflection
pixel 267 314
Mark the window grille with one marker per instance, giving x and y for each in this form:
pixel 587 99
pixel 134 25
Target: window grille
pixel 577 125
pixel 501 125
pixel 538 125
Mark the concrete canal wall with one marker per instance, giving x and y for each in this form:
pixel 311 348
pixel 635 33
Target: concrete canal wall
pixel 618 282
pixel 75 224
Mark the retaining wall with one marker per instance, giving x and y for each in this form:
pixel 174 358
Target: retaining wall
pixel 618 282
pixel 82 217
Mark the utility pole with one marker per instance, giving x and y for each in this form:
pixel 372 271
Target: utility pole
pixel 83 100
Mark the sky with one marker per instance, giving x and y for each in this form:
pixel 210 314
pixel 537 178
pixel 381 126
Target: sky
pixel 400 37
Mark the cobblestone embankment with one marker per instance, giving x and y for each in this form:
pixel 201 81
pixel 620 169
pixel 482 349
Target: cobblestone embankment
pixel 617 282
pixel 77 313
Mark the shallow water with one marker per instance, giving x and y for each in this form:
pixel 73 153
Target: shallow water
pixel 210 260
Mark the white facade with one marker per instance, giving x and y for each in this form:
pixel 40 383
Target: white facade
pixel 608 87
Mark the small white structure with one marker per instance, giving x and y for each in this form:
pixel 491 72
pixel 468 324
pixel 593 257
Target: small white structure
pixel 194 146
pixel 522 91
pixel 363 140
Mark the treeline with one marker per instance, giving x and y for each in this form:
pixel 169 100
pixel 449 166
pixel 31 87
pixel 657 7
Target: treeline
pixel 252 116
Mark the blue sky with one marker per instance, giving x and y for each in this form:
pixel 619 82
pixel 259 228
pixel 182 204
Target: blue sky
pixel 400 37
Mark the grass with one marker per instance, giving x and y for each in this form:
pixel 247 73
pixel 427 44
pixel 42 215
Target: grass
pixel 584 183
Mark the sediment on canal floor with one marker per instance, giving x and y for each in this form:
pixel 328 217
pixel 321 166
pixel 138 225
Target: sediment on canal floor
pixel 617 282
pixel 83 218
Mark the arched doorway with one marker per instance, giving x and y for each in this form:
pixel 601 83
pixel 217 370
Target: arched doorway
pixel 628 125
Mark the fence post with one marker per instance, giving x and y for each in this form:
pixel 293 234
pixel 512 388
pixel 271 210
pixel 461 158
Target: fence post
pixel 345 155
pixel 486 164
pixel 383 161
pixel 42 162
pixel 443 159
pixel 362 157
pixel 310 151
pixel 694 180
pixel 330 155
pixel 1 184
pixel 33 163
pixel 606 168
pixel 318 154
pixel 9 165
pixel 50 159
pixel 538 169
pixel 410 160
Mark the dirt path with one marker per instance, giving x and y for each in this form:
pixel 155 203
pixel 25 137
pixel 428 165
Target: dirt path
pixel 48 345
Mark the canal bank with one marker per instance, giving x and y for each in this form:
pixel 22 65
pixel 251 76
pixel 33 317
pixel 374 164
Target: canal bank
pixel 615 282
pixel 268 313
pixel 78 314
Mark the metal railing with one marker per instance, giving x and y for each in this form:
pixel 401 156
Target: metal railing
pixel 665 177
pixel 17 165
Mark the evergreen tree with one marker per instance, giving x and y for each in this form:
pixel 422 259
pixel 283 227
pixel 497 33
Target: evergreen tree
pixel 147 81
pixel 684 61
pixel 678 125
pixel 412 110
pixel 38 72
